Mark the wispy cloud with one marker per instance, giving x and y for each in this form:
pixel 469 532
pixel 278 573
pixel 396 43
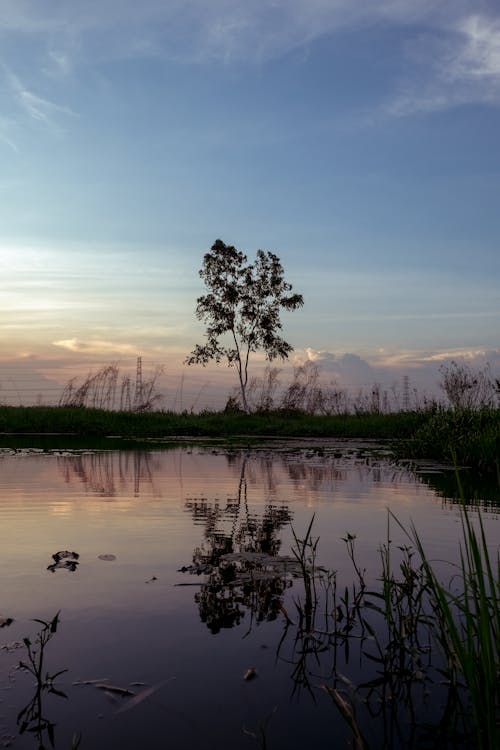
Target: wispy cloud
pixel 36 107
pixel 96 346
pixel 5 128
pixel 454 65
pixel 454 59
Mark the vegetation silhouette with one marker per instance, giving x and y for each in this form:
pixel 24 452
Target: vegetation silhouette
pixel 31 718
pixel 241 311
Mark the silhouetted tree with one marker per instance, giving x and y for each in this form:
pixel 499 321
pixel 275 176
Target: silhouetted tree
pixel 242 309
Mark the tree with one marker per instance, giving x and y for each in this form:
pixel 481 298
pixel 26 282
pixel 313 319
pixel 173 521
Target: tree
pixel 241 311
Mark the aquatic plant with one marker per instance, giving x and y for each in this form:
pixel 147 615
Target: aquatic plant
pixel 31 718
pixel 467 627
pixel 413 630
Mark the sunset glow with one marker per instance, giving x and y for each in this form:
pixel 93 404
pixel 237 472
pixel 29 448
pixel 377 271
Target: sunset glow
pixel 359 142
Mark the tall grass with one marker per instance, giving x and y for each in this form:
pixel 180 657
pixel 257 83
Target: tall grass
pixel 472 435
pixel 414 630
pixel 467 626
pixel 84 421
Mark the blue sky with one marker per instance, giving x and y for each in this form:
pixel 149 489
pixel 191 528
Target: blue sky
pixel 357 140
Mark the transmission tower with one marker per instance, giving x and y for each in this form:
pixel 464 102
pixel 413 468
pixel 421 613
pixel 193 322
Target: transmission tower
pixel 406 392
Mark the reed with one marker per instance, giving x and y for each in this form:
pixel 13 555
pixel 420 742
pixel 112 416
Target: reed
pixel 472 436
pixel 414 629
pixel 467 627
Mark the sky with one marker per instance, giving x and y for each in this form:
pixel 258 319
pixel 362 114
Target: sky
pixel 356 140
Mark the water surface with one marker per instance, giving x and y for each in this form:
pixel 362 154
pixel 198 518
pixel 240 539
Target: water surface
pixel 148 605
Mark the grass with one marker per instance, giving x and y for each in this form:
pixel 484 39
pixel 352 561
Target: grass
pixel 472 435
pixel 467 626
pixel 99 422
pixel 428 642
pixel 95 422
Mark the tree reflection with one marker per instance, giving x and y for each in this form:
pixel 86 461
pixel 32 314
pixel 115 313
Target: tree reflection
pixel 104 472
pixel 239 556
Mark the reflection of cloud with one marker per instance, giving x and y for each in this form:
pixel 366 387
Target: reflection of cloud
pixel 95 346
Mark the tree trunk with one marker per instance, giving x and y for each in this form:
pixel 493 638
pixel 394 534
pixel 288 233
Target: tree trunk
pixel 244 397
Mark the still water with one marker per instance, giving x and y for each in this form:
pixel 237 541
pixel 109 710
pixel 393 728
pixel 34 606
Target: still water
pixel 155 634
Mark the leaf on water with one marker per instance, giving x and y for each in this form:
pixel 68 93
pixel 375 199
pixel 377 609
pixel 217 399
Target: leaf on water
pixel 9 647
pixel 113 689
pixel 141 696
pixel 107 557
pixel 65 554
pixel 91 682
pixel 64 559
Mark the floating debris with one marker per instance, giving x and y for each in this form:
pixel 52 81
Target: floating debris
pixel 154 578
pixel 107 557
pixel 113 689
pixel 250 674
pixel 142 695
pixel 65 560
pixel 6 621
pixel 91 682
pixel 10 647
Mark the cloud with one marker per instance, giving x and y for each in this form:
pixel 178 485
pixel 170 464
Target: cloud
pixel 221 29
pixel 422 368
pixel 36 107
pixel 454 65
pixel 96 346
pixel 349 370
pixel 451 54
pixel 5 127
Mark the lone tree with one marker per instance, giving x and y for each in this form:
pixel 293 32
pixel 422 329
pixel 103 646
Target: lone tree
pixel 241 311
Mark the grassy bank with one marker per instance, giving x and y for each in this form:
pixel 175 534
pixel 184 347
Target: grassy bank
pixel 95 422
pixel 471 437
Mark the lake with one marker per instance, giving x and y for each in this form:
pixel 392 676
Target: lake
pixel 180 599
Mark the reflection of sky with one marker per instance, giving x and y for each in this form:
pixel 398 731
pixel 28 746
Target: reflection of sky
pixel 357 141
pixel 127 621
pixel 133 505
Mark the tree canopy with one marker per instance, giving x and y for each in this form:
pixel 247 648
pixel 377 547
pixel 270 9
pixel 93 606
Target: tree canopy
pixel 241 310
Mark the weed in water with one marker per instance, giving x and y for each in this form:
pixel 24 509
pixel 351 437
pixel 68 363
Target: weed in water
pixel 408 632
pixel 31 718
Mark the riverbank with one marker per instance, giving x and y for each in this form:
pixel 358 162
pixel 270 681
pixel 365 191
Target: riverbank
pixel 472 438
